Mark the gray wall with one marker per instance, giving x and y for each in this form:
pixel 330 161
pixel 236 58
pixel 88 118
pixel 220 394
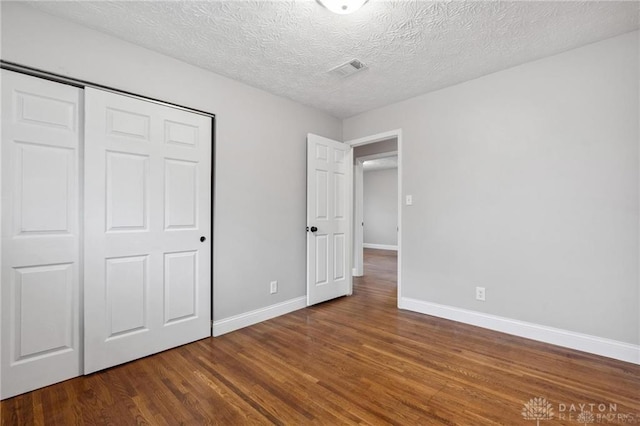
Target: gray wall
pixel 260 149
pixel 380 207
pixel 526 182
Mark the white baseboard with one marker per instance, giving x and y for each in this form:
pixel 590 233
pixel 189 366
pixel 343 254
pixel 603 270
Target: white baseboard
pixel 380 246
pixel 237 322
pixel 583 342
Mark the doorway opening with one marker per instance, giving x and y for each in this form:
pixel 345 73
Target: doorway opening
pixel 375 200
pixel 377 236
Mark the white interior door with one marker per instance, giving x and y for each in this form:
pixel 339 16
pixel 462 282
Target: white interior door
pixel 147 224
pixel 329 218
pixel 41 135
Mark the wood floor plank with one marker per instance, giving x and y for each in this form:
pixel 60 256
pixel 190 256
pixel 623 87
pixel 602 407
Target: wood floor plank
pixel 352 361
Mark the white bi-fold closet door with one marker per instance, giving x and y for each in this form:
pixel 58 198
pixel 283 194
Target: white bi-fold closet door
pixel 106 214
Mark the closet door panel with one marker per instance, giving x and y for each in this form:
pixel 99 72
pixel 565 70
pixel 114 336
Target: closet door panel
pixel 148 198
pixel 40 286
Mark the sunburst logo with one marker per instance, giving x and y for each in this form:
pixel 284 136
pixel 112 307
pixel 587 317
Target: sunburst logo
pixel 586 417
pixel 537 409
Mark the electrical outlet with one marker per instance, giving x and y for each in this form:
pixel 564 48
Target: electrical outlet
pixel 274 287
pixel 409 200
pixel 480 293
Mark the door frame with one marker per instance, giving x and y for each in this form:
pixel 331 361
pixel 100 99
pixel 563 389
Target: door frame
pixel 358 209
pixel 366 140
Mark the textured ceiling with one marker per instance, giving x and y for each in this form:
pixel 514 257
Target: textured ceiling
pixel 411 47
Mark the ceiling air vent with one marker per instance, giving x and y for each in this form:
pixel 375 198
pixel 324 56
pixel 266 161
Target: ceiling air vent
pixel 348 68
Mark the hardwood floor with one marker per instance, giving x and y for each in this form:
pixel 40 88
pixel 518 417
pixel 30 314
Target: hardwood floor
pixel 354 360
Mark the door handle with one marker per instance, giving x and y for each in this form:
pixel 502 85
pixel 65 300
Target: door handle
pixel 203 239
pixel 314 229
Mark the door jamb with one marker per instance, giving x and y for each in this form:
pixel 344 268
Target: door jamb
pixel 379 137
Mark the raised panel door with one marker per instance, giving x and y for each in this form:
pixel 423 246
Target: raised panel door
pixel 40 283
pixel 329 172
pixel 148 203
